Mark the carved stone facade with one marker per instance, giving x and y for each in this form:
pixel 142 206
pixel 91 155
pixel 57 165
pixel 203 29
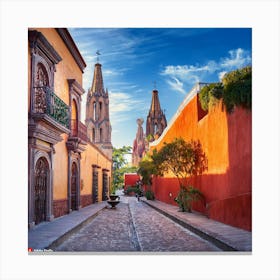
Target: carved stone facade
pixel 138 149
pixel 61 177
pixel 156 121
pixel 44 131
pixel 97 114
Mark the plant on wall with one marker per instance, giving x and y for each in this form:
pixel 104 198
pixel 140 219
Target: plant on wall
pixel 210 94
pixel 184 160
pixel 238 88
pixel 234 90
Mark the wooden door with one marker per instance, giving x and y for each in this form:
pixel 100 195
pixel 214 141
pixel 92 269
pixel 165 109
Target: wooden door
pixel 40 190
pixel 74 177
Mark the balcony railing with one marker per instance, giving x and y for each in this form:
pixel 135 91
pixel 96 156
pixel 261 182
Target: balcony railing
pixel 47 102
pixel 78 129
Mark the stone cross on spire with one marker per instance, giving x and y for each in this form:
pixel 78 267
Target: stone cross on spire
pixel 155 85
pixel 97 55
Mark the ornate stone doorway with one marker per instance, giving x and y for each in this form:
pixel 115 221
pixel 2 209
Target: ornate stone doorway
pixel 40 190
pixel 74 184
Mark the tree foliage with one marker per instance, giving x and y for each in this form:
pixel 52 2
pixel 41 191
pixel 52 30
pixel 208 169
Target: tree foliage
pixel 146 169
pixel 120 166
pixel 183 159
pixel 238 88
pixel 209 95
pixel 119 159
pixel 235 90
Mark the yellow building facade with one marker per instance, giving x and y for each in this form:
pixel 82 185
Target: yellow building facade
pixel 66 171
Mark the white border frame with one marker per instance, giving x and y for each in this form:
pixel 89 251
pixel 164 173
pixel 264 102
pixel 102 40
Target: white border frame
pixel 262 16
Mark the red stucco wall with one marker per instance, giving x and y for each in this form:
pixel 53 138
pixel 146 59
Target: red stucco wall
pixel 227 141
pixel 130 179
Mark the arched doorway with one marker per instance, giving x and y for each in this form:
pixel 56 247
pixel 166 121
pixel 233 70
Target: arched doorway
pixel 74 181
pixel 40 190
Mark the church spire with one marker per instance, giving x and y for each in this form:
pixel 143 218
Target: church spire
pixel 156 121
pixel 97 113
pixel 155 105
pixel 97 83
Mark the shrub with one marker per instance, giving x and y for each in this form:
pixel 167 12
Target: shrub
pixel 186 196
pixel 150 195
pixel 210 94
pixel 132 189
pixel 238 89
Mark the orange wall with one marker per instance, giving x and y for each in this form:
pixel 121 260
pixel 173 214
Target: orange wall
pixel 67 68
pixel 227 141
pixel 89 157
pixel 60 168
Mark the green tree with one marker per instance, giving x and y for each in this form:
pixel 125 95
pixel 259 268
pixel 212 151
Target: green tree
pixel 120 166
pixel 146 169
pixel 184 160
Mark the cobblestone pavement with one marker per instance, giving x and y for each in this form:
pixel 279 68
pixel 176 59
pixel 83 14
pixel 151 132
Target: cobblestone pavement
pixel 157 233
pixel 134 226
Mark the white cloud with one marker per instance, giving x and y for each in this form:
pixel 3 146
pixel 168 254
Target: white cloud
pixel 123 106
pixel 185 71
pixel 237 59
pixel 191 74
pixel 176 85
pixel 221 75
pixel 123 102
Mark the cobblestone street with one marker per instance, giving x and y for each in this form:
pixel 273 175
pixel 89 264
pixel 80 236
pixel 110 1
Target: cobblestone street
pixel 133 226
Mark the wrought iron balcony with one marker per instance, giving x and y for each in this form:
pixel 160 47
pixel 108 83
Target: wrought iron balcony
pixel 78 129
pixel 47 102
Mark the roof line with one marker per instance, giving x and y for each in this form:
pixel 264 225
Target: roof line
pixel 72 47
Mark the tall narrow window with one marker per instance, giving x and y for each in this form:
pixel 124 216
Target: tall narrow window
pixel 95 114
pixel 93 135
pixel 74 118
pixel 101 136
pixel 100 109
pixel 155 128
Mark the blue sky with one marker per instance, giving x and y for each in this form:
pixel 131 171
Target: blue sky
pixel 176 58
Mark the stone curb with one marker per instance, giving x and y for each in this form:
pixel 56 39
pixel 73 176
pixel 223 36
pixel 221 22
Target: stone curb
pixel 67 234
pixel 220 244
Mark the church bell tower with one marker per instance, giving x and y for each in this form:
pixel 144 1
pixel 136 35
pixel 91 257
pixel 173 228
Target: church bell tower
pixel 156 121
pixel 97 113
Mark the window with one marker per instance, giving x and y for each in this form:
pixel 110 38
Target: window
pixel 155 128
pixel 101 136
pixel 95 115
pixel 93 135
